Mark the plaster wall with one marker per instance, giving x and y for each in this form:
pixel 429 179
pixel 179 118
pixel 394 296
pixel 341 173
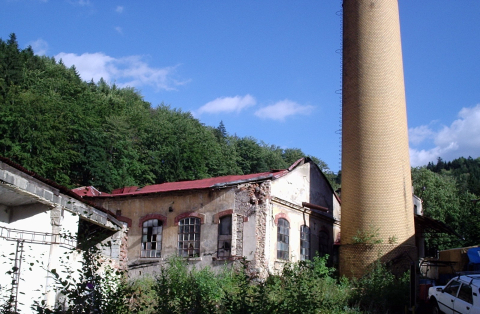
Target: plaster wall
pixel 319 227
pixel 34 213
pixel 305 184
pixel 33 277
pixel 36 257
pixel 204 203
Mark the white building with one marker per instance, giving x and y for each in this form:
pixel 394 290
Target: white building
pixel 35 216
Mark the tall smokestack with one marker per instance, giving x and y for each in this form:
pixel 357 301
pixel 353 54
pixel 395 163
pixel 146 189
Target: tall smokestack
pixel 377 211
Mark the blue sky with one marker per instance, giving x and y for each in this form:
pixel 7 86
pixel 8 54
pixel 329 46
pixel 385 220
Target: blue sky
pixel 267 69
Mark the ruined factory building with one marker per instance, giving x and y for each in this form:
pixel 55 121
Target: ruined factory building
pixel 39 222
pixel 269 218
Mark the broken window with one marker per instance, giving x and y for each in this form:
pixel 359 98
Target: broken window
pixel 225 236
pixel 151 238
pixel 323 243
pixel 283 230
pixel 189 237
pixel 304 243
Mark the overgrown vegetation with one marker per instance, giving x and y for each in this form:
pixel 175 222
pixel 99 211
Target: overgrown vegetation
pixel 379 291
pixel 96 287
pixel 304 287
pixel 370 236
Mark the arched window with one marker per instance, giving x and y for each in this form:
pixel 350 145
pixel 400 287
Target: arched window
pixel 189 237
pixel 225 236
pixel 151 238
pixel 283 231
pixel 304 243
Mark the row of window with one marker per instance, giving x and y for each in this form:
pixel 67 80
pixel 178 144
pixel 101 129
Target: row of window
pixel 189 238
pixel 283 235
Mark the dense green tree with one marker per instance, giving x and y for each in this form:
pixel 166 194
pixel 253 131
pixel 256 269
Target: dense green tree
pixel 80 133
pixel 444 201
pixel 465 170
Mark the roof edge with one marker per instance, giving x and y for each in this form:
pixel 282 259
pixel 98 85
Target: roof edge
pixel 54 184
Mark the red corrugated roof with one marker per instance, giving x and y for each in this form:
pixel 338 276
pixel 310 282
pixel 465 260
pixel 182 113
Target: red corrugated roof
pixel 217 182
pixel 185 185
pixel 87 191
pixel 126 189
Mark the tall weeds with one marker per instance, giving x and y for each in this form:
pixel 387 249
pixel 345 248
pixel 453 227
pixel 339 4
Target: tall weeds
pixel 305 287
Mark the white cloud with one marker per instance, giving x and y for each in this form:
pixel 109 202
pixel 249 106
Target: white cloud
pixel 130 71
pixel 227 104
pixel 461 138
pixel 282 109
pixel 119 29
pixel 420 134
pixel 119 9
pixel 39 46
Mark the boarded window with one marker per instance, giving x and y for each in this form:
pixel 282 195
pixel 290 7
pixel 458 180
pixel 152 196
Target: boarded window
pixel 189 237
pixel 225 236
pixel 304 243
pixel 283 231
pixel 151 238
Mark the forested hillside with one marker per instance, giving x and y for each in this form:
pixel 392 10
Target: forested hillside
pixel 92 133
pixel 449 191
pixel 465 170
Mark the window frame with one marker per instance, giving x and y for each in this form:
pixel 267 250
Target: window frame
pixel 448 288
pixel 462 295
pixel 223 239
pixel 283 239
pixel 189 241
pixel 147 238
pixel 305 243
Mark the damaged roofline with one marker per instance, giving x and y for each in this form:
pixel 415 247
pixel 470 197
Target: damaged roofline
pixel 61 189
pixel 224 184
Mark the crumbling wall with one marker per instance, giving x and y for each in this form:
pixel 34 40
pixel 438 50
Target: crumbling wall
pixel 251 201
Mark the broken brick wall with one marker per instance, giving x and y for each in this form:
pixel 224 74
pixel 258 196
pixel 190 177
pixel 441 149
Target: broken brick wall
pixel 252 201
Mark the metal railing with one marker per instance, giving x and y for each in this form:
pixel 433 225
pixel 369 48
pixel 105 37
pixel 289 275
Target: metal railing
pixel 37 237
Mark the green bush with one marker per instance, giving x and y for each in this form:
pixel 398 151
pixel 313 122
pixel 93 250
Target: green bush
pixel 143 297
pixel 179 290
pixel 379 291
pixel 308 287
pixel 305 287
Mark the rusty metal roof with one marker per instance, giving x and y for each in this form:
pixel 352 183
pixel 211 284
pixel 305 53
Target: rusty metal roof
pixel 212 183
pixel 217 182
